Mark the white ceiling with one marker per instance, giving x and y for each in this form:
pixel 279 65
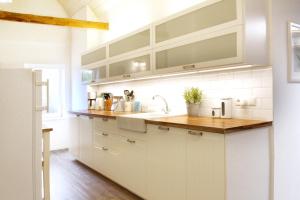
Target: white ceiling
pixel 72 6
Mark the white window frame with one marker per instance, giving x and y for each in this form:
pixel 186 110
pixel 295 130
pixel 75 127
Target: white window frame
pixel 62 92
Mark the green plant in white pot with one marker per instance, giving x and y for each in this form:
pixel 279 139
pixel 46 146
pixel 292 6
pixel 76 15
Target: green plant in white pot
pixel 193 98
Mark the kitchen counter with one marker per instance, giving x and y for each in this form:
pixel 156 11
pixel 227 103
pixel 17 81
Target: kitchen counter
pixel 208 124
pixel 100 113
pixel 46 129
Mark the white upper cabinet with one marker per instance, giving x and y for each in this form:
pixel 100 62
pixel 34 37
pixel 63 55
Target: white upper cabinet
pixel 135 41
pixel 93 75
pixel 207 37
pixel 213 50
pixel 208 15
pixel 130 67
pixel 93 56
pixel 213 34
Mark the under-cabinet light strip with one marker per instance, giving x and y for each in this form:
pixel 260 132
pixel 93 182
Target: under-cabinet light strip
pixel 177 74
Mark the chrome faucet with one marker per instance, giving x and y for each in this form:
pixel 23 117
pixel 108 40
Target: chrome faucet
pixel 166 109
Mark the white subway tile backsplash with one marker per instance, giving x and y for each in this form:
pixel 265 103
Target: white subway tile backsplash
pixel 262 92
pixel 267 103
pixel 262 114
pixel 236 84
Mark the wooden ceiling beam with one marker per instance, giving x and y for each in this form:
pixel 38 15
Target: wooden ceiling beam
pixel 37 19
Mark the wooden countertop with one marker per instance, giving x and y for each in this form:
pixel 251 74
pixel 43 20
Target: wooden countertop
pixel 209 124
pixel 46 130
pixel 100 113
pixel 193 123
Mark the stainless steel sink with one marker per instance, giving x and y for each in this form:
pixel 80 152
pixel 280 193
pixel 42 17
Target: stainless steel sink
pixel 136 122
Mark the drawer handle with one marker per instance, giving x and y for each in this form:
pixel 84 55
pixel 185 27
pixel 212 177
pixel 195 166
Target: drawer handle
pixel 189 67
pixel 126 76
pixel 130 141
pixel 163 128
pixel 105 134
pixel 90 117
pixel 104 148
pixel 195 133
pixel 105 119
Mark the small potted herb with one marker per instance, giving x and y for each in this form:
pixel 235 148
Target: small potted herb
pixel 193 98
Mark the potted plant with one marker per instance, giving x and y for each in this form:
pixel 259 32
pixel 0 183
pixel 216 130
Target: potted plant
pixel 193 98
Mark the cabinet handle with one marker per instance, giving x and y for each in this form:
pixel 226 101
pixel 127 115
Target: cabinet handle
pixel 91 117
pixel 163 128
pixel 104 148
pixel 105 119
pixel 126 76
pixel 189 67
pixel 130 141
pixel 195 133
pixel 105 134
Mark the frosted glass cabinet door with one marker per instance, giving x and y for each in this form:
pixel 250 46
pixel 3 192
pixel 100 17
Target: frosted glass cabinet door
pixel 86 76
pixel 95 56
pixel 212 15
pixel 128 68
pixel 99 73
pixel 186 56
pixel 131 43
pixel 93 75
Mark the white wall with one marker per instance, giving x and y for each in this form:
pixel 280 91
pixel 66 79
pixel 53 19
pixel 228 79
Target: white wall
pixel 31 43
pixel 286 105
pixel 78 46
pixel 23 43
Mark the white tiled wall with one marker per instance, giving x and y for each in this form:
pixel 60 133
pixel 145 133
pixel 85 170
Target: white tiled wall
pixel 236 84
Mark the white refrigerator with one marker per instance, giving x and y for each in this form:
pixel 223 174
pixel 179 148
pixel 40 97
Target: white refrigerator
pixel 20 134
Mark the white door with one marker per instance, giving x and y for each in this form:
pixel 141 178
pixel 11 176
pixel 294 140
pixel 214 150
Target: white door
pixel 86 140
pixel 166 163
pixel 74 140
pixel 133 165
pixel 205 166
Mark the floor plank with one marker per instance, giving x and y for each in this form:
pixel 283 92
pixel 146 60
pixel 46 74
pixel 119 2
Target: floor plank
pixel 71 180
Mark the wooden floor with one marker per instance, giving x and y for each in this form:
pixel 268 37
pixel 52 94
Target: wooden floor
pixel 71 180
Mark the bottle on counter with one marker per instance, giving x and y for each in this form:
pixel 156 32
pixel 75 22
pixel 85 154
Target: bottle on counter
pixel 128 106
pixel 108 101
pixel 100 103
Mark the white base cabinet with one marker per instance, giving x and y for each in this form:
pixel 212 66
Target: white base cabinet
pixel 166 162
pixel 120 156
pixel 170 163
pixel 74 140
pixel 86 140
pixel 184 164
pixel 205 166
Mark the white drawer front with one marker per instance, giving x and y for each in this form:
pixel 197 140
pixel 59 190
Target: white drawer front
pixel 105 124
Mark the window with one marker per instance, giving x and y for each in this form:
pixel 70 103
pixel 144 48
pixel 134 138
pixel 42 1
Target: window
pixel 55 78
pixel 55 75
